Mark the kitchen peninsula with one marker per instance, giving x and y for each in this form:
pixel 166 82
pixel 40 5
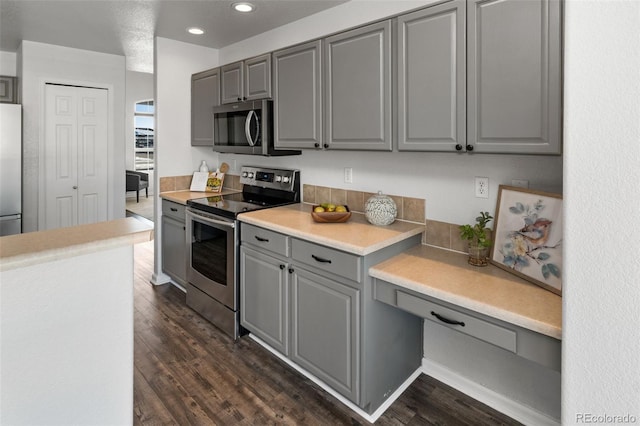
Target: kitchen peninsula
pixel 66 349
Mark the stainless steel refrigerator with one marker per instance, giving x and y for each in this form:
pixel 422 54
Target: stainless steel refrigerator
pixel 10 169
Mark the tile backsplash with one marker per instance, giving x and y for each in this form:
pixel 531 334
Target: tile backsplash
pixel 439 234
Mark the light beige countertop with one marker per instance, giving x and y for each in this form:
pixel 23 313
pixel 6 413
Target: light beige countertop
pixel 17 251
pixel 183 196
pixel 355 236
pixel 489 290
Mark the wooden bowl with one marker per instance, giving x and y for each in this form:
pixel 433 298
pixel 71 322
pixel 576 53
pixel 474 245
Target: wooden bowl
pixel 330 217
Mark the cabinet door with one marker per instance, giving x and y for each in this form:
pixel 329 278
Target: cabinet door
pixel 431 79
pixel 257 77
pixel 232 78
pixel 264 298
pixel 205 94
pixel 174 249
pixel 358 88
pixel 326 331
pixel 8 89
pixel 297 87
pixel 514 76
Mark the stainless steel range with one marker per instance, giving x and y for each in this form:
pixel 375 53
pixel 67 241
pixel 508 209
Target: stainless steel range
pixel 213 241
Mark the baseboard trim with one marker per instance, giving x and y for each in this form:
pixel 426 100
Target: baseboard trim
pixel 371 418
pixel 505 405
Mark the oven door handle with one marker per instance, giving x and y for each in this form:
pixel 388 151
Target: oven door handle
pixel 210 220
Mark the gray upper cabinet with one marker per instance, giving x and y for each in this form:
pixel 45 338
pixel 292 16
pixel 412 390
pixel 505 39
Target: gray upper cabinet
pixel 8 89
pixel 257 77
pixel 357 74
pixel 246 80
pixel 232 76
pixel 297 88
pixel 431 94
pixel 514 81
pixel 205 94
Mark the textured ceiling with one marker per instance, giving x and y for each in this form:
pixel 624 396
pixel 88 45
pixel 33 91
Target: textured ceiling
pixel 127 27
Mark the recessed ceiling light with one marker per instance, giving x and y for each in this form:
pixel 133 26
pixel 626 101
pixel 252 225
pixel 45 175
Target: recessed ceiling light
pixel 243 7
pixel 195 31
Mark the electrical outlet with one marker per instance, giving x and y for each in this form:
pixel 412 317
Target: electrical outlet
pixel 482 187
pixel 520 183
pixel 348 175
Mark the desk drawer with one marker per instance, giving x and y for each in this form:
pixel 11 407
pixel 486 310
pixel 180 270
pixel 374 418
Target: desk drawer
pixel 458 321
pixel 265 239
pixel 327 259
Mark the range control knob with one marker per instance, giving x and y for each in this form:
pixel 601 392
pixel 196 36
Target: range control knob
pixel 244 174
pixel 278 178
pixel 286 179
pixel 250 176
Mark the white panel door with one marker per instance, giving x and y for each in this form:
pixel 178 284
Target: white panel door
pixel 76 177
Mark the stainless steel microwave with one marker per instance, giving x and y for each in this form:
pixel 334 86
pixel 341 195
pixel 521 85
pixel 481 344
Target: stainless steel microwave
pixel 245 128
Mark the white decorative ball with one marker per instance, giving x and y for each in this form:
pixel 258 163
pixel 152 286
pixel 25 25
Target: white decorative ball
pixel 380 210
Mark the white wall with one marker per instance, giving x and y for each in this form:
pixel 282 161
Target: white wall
pixel 601 326
pixel 174 63
pixel 39 63
pixel 8 63
pixel 139 88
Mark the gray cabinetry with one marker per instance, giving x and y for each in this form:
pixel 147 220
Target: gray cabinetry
pixel 246 80
pixel 357 97
pixel 315 305
pixel 205 94
pixel 325 330
pixel 264 297
pixel 8 89
pixel 297 88
pixel 174 241
pixel 431 95
pixel 514 80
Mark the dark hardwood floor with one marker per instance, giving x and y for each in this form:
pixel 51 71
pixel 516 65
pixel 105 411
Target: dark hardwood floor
pixel 187 372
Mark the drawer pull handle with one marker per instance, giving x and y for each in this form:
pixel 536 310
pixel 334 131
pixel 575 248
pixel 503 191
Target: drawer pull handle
pixel 320 259
pixel 447 320
pixel 262 240
pixel 173 209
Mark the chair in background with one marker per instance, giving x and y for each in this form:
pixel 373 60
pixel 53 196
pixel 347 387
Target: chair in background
pixel 137 181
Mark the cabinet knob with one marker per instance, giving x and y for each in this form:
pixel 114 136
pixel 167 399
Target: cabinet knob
pixel 458 147
pixel 317 145
pixel 469 147
pixel 291 270
pixel 239 98
pixel 244 98
pixel 282 266
pixel 326 145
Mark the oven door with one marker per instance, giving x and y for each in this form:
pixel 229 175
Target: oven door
pixel 211 256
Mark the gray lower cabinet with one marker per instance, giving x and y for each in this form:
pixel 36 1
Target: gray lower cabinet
pixel 205 94
pixel 297 90
pixel 174 241
pixel 431 72
pixel 357 77
pixel 326 330
pixel 264 297
pixel 315 305
pixel 514 76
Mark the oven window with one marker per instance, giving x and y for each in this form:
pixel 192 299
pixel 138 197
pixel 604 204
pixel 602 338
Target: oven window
pixel 209 252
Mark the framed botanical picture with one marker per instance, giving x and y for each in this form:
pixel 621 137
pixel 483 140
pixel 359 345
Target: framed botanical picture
pixel 527 236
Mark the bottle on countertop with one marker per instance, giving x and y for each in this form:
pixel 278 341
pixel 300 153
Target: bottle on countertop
pixel 203 166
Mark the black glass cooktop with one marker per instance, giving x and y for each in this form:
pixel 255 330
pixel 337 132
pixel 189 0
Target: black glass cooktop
pixel 232 205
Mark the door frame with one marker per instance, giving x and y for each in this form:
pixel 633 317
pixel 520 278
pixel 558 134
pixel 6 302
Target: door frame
pixel 41 142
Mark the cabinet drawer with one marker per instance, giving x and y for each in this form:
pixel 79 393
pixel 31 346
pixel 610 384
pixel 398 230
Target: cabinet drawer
pixel 175 210
pixel 265 239
pixel 327 259
pixel 463 323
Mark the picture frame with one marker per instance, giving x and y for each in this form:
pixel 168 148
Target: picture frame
pixel 527 236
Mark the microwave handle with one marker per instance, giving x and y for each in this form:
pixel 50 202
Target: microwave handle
pixel 247 127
